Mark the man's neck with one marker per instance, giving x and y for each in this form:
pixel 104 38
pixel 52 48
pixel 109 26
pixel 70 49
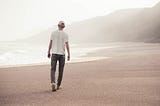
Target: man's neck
pixel 60 29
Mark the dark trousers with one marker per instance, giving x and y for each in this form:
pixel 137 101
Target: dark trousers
pixel 54 59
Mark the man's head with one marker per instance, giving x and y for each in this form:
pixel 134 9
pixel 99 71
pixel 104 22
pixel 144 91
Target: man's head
pixel 61 24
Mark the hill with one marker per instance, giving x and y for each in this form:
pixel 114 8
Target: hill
pixel 140 25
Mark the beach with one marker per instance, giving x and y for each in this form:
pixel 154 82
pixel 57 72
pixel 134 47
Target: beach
pixel 129 77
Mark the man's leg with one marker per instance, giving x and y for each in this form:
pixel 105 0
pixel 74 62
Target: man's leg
pixel 53 67
pixel 61 67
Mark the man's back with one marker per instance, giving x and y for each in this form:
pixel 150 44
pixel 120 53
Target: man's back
pixel 59 38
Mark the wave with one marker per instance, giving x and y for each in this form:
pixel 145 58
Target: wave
pixel 29 54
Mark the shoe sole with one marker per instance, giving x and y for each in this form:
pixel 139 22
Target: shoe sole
pixel 53 88
pixel 59 88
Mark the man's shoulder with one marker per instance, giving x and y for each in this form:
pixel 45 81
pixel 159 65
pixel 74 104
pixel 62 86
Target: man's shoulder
pixel 55 31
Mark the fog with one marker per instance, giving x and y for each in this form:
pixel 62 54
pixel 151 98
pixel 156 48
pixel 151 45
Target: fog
pixel 140 25
pixel 24 18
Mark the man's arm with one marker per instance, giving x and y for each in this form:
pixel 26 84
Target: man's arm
pixel 68 50
pixel 49 48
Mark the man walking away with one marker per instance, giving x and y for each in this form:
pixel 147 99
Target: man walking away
pixel 58 42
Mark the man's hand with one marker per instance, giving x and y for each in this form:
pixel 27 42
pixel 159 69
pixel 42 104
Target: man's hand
pixel 49 55
pixel 68 58
pixel 49 48
pixel 67 46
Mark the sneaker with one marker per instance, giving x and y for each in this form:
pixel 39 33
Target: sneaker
pixel 58 87
pixel 53 87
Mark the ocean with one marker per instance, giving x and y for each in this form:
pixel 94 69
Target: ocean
pixel 14 53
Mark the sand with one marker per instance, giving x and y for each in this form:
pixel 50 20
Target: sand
pixel 128 79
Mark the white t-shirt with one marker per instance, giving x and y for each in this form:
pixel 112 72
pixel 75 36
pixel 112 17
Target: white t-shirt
pixel 59 38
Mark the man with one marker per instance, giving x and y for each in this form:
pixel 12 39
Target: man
pixel 58 42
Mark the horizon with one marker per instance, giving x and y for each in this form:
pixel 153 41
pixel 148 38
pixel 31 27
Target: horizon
pixel 29 17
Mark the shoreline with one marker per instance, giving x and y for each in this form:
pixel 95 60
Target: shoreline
pixel 103 53
pixel 82 59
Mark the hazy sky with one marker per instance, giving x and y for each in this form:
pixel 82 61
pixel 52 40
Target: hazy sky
pixel 20 18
